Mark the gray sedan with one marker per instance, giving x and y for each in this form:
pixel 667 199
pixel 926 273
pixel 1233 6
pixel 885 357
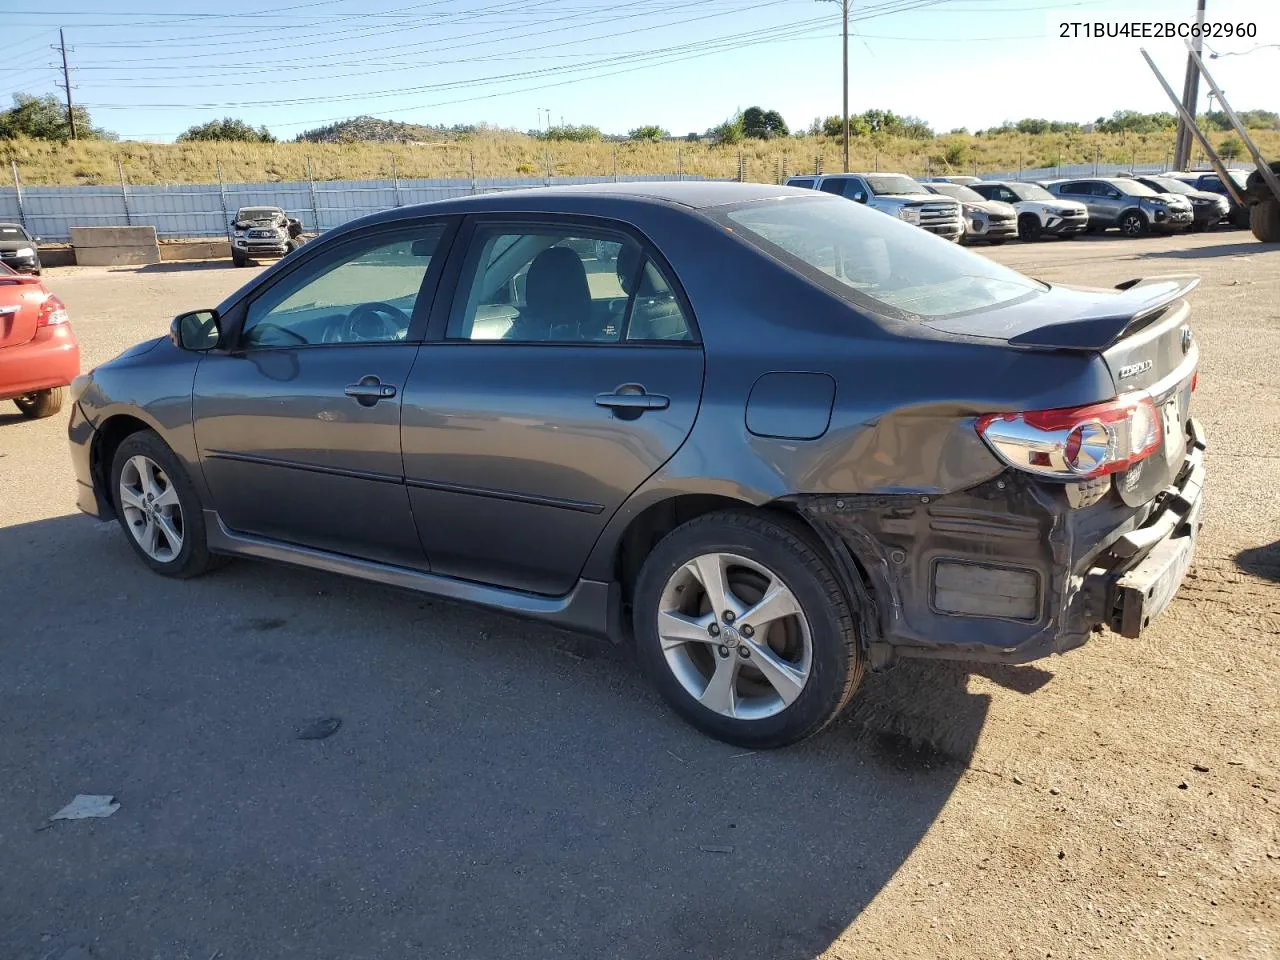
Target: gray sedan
pixel 772 438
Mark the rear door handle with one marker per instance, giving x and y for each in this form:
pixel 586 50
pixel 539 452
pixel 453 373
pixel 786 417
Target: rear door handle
pixel 630 400
pixel 369 390
pixel 634 398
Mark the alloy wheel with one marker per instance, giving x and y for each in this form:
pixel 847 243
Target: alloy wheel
pixel 152 511
pixel 735 636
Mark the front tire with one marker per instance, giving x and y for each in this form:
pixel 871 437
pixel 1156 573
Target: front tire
pixel 1264 220
pixel 1134 224
pixel 44 403
pixel 744 629
pixel 158 507
pixel 1029 228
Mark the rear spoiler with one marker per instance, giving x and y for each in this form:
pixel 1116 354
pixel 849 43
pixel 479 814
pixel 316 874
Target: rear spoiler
pixel 1103 324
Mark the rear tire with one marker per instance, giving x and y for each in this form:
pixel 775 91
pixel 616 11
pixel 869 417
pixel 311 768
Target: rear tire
pixel 44 403
pixel 1029 229
pixel 1264 220
pixel 158 507
pixel 238 261
pixel 995 243
pixel 774 673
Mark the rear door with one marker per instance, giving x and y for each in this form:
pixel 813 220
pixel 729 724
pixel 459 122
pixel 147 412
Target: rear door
pixel 566 371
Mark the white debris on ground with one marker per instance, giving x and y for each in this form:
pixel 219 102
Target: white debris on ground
pixel 86 805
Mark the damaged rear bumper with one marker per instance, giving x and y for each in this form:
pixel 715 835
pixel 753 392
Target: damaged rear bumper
pixel 1010 571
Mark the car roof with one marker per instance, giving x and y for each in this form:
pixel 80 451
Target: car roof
pixel 605 199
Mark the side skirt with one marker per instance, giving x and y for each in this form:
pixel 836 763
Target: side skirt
pixel 592 607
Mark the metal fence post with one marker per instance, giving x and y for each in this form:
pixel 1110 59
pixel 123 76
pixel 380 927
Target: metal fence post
pixel 311 190
pixel 817 164
pixel 1057 170
pixel 877 163
pixel 615 164
pixel 1097 156
pixel 124 194
pixel 395 180
pixel 1019 166
pixel 546 160
pixel 679 163
pixel 475 186
pixel 222 198
pixel 742 167
pixel 17 189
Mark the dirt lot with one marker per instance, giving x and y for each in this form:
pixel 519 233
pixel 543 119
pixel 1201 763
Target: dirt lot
pixel 501 790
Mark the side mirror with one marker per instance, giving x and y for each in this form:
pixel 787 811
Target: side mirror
pixel 860 196
pixel 198 330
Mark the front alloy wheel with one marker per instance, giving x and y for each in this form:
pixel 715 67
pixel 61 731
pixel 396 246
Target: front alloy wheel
pixel 1134 225
pixel 151 510
pixel 159 507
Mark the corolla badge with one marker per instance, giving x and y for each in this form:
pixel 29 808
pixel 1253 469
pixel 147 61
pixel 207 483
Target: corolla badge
pixel 1133 369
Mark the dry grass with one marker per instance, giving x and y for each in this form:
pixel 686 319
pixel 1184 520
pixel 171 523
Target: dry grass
pixel 45 163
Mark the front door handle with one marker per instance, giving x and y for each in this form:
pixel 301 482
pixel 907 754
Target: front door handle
pixel 630 400
pixel 369 390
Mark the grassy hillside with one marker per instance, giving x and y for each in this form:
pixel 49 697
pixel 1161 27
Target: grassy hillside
pixel 506 155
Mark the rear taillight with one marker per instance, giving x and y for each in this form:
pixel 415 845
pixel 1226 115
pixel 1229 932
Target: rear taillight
pixel 1076 443
pixel 52 312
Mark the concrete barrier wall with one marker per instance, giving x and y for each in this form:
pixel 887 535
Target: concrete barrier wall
pixel 115 246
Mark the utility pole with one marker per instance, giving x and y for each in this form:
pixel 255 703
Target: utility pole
pixel 844 13
pixel 1190 95
pixel 66 82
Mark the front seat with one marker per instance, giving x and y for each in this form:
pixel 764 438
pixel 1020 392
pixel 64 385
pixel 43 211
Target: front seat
pixel 557 298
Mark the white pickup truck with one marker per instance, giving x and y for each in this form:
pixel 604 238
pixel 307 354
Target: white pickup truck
pixel 895 194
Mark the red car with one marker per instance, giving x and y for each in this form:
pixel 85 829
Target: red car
pixel 39 356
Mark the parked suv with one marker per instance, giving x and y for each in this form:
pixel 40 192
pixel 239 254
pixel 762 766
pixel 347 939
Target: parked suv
pixel 261 232
pixel 18 249
pixel 1126 204
pixel 895 194
pixel 1040 213
pixel 1206 208
pixel 1212 183
pixel 988 221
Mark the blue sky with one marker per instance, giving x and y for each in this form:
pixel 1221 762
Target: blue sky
pixel 148 69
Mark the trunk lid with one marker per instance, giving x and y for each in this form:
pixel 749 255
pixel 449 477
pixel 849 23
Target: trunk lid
pixel 20 301
pixel 1142 334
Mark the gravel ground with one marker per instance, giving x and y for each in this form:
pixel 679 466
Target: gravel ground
pixel 501 790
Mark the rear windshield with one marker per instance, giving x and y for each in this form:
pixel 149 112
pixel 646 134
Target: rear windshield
pixel 881 184
pixel 877 262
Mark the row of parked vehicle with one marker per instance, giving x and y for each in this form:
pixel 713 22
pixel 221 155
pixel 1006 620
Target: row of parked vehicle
pixel 970 210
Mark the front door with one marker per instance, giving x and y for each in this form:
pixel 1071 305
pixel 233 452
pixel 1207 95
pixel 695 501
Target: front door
pixel 298 425
pixel 568 373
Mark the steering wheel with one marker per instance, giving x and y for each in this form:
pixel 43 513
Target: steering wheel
pixel 373 322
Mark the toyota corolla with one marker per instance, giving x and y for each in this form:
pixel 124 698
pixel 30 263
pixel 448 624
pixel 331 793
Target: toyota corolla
pixel 771 437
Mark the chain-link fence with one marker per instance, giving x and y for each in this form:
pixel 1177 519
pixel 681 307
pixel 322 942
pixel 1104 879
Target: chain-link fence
pixel 195 210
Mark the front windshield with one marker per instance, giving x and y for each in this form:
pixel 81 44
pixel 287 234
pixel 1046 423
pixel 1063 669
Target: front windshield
pixel 892 183
pixel 1030 191
pixel 957 191
pixel 1169 185
pixel 1133 188
pixel 257 213
pixel 878 263
pixel 1240 177
pixel 11 231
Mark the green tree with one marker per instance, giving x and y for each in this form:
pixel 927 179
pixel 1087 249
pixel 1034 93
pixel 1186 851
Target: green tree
pixel 1230 148
pixel 729 132
pixel 774 125
pixel 648 132
pixel 45 118
pixel 575 134
pixel 761 124
pixel 228 128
